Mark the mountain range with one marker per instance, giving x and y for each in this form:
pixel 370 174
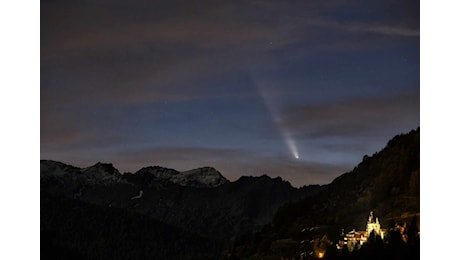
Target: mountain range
pixel 199 202
pixel 98 213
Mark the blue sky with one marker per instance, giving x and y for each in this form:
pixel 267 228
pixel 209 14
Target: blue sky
pixel 225 84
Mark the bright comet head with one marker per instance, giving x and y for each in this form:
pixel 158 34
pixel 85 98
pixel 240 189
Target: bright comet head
pixel 292 147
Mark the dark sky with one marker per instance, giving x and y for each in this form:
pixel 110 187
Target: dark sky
pixel 242 86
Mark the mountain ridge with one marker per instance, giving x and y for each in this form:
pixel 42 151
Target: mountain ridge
pixel 222 210
pixel 250 214
pixel 386 183
pixel 202 177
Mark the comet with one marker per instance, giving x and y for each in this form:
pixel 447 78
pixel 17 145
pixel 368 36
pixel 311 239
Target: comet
pixel 292 146
pixel 273 108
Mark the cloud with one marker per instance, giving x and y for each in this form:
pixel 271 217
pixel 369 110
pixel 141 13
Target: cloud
pixel 369 117
pixel 64 130
pixel 360 27
pixel 124 53
pixel 152 62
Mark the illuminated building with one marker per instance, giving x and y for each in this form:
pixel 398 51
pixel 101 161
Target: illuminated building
pixel 355 239
pixel 374 225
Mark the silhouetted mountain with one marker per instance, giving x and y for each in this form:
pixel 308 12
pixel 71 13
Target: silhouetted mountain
pixel 199 201
pixel 253 216
pixel 71 229
pixel 387 183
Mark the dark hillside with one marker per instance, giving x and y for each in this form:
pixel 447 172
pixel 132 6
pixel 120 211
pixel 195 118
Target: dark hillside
pixel 98 213
pixel 99 196
pixel 71 229
pixel 387 183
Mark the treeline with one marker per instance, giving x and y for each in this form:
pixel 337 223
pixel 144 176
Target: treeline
pixel 314 244
pixel 70 229
pixel 388 183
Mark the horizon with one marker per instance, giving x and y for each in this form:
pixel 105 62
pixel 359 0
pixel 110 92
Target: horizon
pixel 222 173
pixel 300 90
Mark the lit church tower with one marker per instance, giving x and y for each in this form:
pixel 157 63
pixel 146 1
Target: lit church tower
pixel 374 225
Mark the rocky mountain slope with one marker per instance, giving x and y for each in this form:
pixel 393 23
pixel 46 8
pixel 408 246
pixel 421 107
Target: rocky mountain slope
pixel 201 201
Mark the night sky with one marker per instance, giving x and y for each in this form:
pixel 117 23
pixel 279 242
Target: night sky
pixel 297 89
